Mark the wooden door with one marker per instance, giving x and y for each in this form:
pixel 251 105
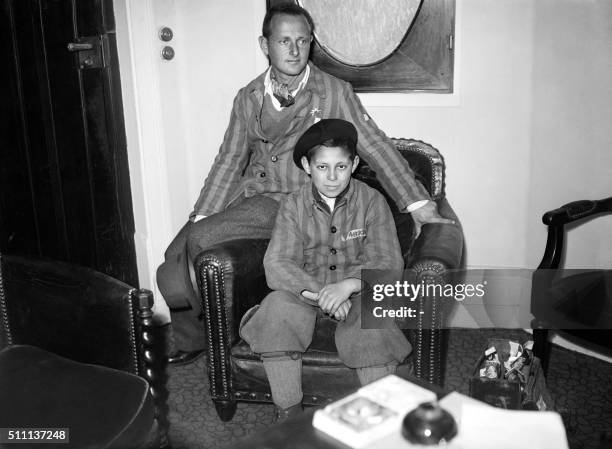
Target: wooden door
pixel 64 179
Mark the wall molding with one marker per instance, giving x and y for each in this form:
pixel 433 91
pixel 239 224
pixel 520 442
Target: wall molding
pixel 138 59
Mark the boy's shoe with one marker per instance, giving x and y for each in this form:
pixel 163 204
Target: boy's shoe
pixel 283 414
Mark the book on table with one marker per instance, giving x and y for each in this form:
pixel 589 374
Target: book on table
pixel 373 412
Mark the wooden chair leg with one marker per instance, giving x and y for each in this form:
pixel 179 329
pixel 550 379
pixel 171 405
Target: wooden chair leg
pixel 541 347
pixel 154 363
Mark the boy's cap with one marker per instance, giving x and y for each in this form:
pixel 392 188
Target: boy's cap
pixel 322 131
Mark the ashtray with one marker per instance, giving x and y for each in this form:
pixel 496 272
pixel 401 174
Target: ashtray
pixel 429 424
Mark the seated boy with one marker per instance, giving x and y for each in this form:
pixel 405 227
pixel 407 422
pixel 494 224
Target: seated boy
pixel 324 235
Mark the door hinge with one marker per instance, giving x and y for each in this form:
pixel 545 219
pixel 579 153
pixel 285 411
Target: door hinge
pixel 92 51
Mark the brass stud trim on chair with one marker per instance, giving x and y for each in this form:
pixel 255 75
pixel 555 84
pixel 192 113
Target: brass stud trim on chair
pixel 211 272
pixel 218 282
pixel 4 310
pixel 133 338
pixel 435 159
pixel 208 329
pixel 433 341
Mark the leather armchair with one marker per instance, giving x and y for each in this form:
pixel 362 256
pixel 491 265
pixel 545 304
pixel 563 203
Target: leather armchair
pixel 80 351
pixel 577 304
pixel 231 280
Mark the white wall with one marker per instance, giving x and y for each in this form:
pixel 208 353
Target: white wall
pixel 527 130
pixel 571 142
pixel 216 54
pixel 485 138
pixel 140 85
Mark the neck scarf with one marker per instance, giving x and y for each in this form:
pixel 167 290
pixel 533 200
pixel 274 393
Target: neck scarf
pixel 281 91
pixel 283 94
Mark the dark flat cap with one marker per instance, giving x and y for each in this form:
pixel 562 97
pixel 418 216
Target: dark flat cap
pixel 322 131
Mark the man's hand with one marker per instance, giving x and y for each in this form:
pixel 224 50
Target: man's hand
pixel 427 214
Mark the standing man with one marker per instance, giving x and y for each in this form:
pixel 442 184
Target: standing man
pixel 254 169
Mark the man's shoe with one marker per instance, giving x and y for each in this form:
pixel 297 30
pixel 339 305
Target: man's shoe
pixel 184 357
pixel 283 414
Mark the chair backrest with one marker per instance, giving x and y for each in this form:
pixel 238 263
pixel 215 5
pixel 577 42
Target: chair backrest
pixel 72 311
pixel 571 299
pixel 426 162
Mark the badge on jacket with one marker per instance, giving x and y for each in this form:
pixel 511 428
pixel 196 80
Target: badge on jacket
pixel 355 233
pixel 316 113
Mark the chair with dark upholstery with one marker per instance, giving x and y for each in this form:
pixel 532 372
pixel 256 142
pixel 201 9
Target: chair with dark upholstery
pixel 577 304
pixel 80 352
pixel 231 280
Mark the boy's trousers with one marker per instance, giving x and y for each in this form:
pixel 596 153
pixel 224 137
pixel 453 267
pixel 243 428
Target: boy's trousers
pixel 284 323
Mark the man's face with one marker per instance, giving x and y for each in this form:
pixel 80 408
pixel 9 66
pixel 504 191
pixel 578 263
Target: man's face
pixel 330 169
pixel 288 46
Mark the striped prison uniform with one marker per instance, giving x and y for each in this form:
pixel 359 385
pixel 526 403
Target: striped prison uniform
pixel 249 162
pixel 312 247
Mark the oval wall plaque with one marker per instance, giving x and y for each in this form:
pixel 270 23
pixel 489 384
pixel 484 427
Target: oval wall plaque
pixel 361 32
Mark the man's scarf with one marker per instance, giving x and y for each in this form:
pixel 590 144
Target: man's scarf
pixel 281 92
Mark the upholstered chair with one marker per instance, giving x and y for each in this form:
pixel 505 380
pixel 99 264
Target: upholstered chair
pixel 80 353
pixel 231 280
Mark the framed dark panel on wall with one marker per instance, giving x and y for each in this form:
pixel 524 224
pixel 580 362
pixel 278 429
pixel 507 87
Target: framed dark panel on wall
pixel 384 46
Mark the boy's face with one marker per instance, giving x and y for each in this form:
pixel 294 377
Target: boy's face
pixel 331 169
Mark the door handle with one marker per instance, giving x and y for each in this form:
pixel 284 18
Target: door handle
pixel 92 51
pixel 73 46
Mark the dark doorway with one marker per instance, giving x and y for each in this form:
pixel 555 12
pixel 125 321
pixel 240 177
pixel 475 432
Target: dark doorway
pixel 64 179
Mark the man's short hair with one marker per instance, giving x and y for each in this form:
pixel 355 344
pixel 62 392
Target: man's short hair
pixel 339 142
pixel 291 9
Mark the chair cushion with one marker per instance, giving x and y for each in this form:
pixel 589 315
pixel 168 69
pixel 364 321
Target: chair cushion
pixel 573 301
pixel 318 364
pixel 101 407
pixel 578 306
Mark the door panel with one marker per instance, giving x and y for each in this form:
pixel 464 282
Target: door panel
pixel 65 188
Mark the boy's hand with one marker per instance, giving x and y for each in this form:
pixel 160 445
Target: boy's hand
pixel 313 296
pixel 343 310
pixel 333 295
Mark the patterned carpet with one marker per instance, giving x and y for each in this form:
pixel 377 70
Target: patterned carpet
pixel 580 385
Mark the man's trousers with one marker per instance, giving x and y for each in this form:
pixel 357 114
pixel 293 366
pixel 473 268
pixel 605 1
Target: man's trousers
pixel 249 218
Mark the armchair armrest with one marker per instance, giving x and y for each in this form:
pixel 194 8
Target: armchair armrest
pixel 439 241
pixel 225 272
pixel 556 219
pixel 438 250
pixel 576 210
